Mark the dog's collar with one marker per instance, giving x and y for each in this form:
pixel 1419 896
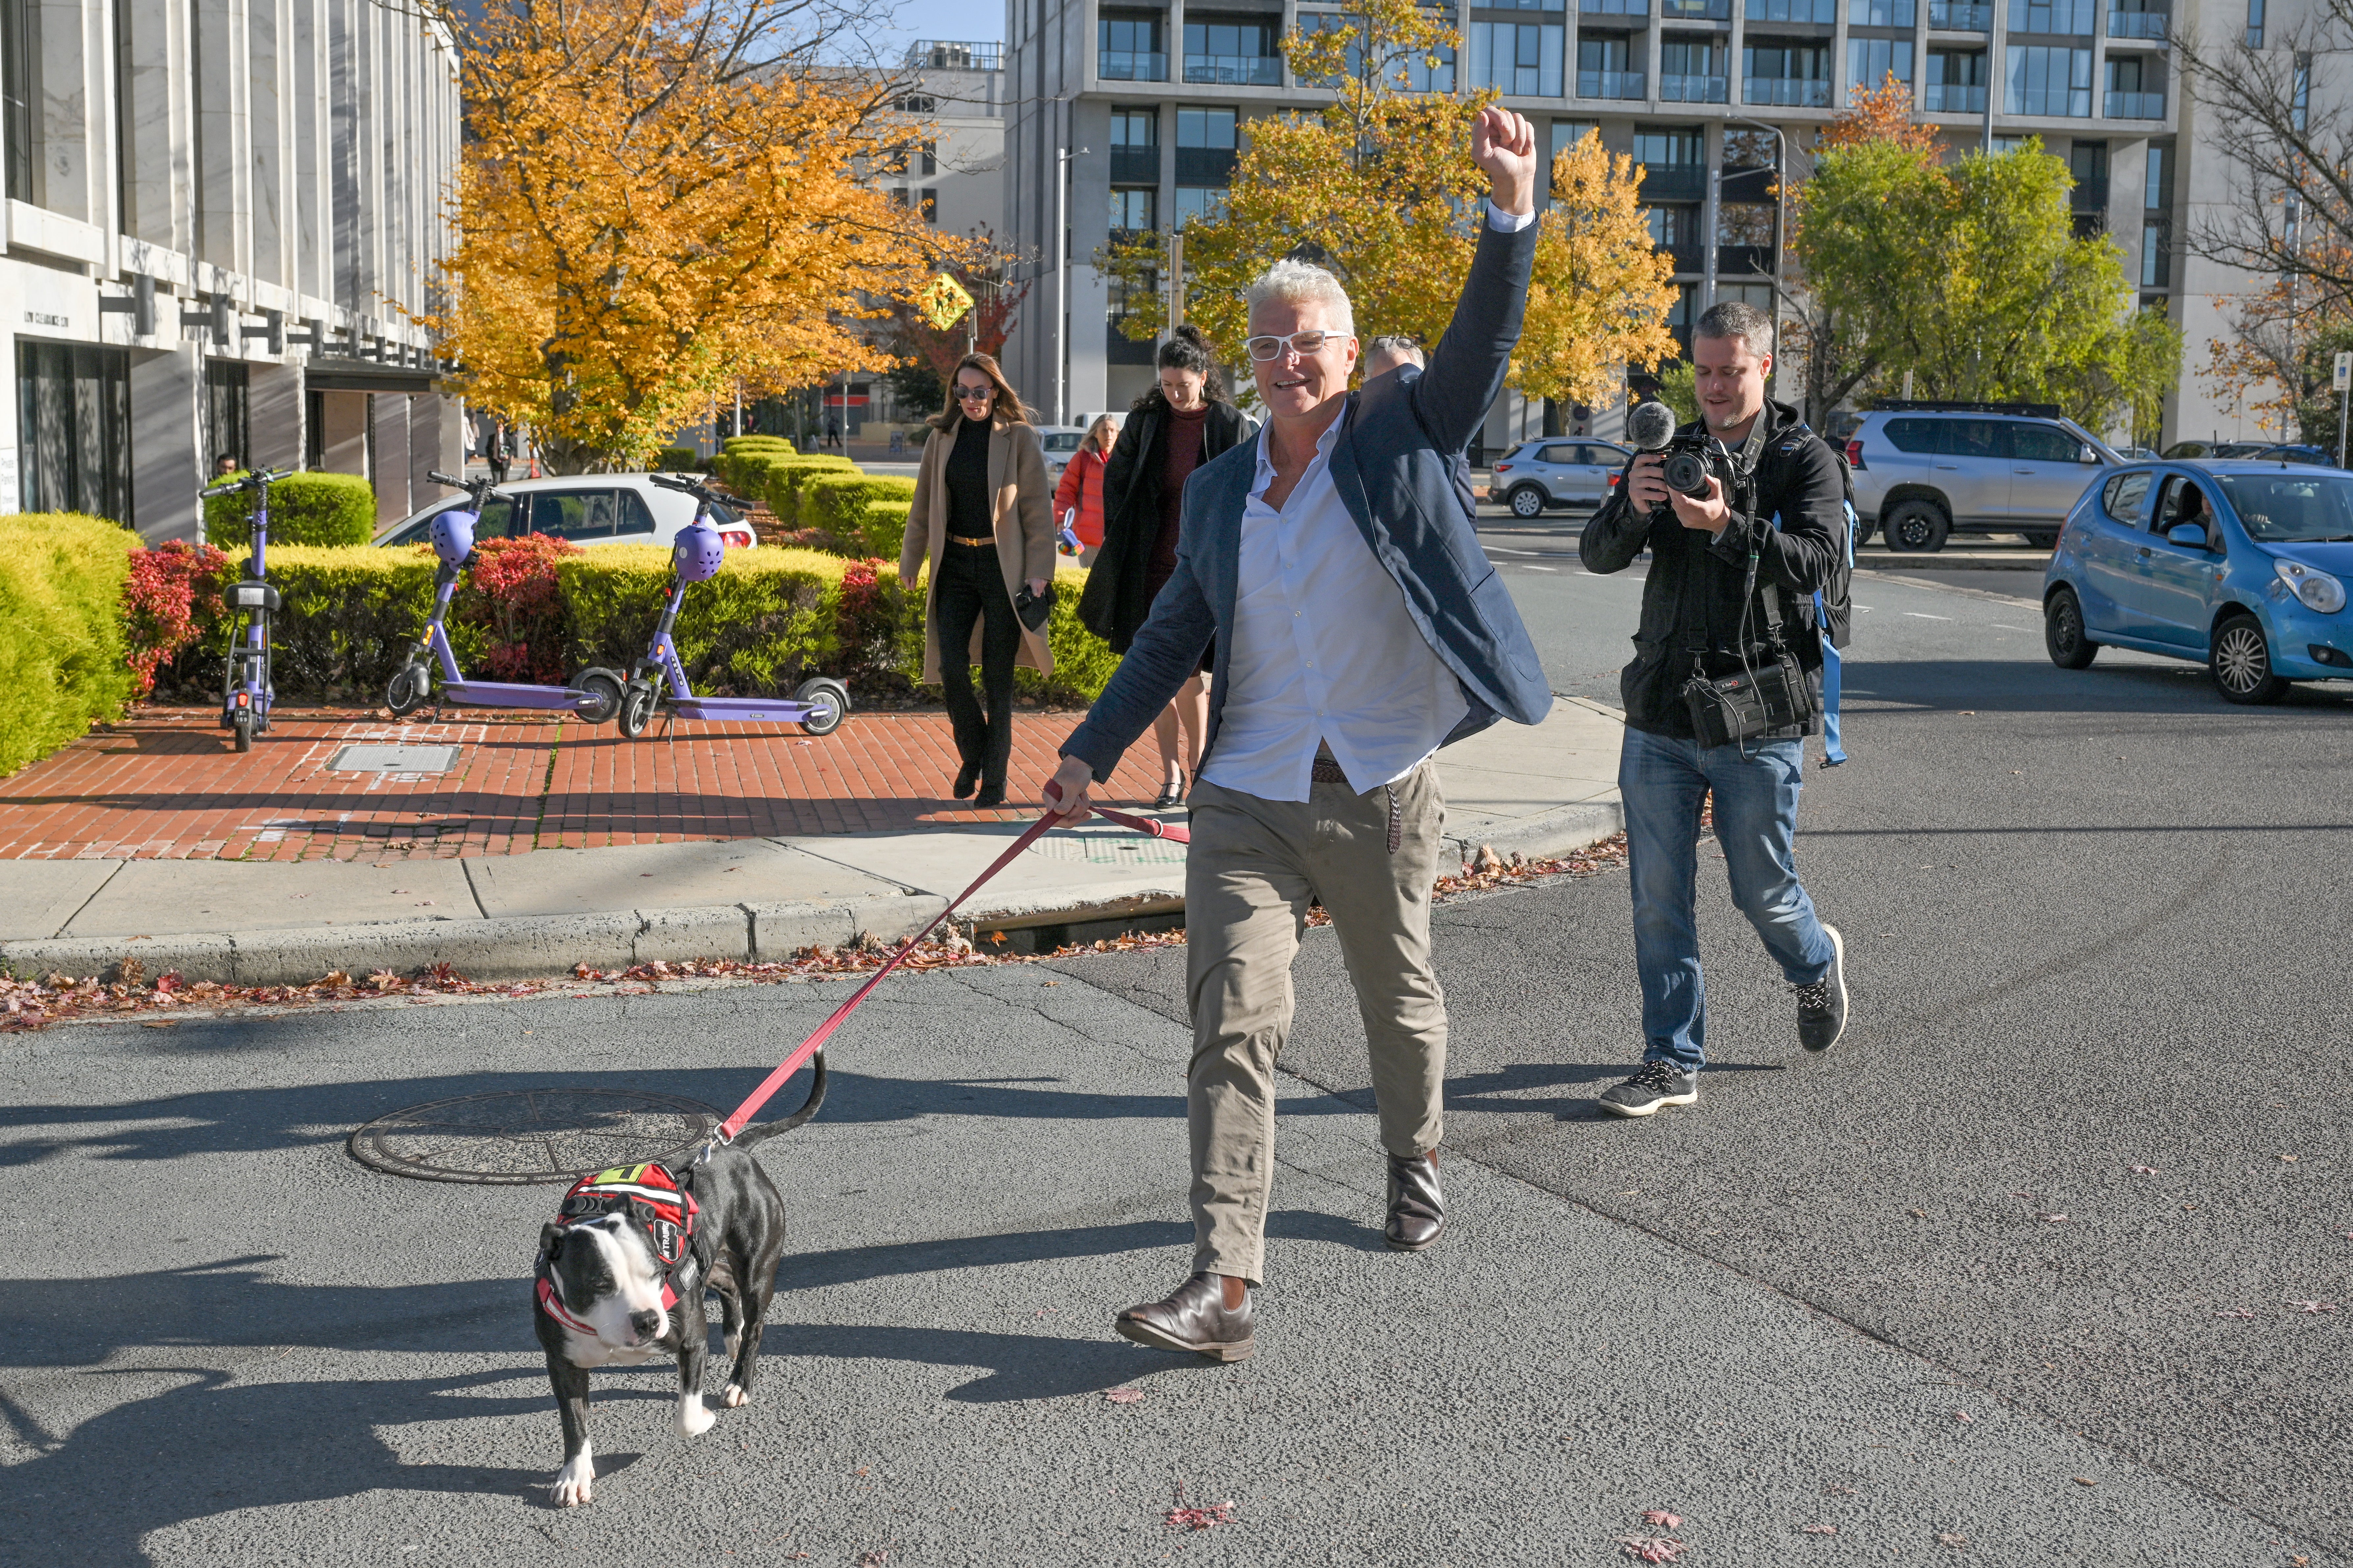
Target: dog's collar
pixel 554 1309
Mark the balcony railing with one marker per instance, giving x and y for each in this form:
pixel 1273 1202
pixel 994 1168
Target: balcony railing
pixel 1690 88
pixel 1136 166
pixel 1673 182
pixel 2135 105
pixel 946 54
pixel 1127 65
pixel 1950 98
pixel 1613 7
pixel 1234 71
pixel 2139 25
pixel 1691 257
pixel 1609 84
pixel 2090 193
pixel 1745 260
pixel 1959 18
pixel 1786 91
pixel 1695 10
pixel 1205 166
pixel 1819 12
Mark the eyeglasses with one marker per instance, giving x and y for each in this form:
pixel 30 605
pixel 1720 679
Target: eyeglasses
pixel 974 394
pixel 1303 344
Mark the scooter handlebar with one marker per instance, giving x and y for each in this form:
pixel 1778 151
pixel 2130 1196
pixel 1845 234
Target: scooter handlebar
pixel 252 481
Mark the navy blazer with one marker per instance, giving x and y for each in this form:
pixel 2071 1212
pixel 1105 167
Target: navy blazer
pixel 1396 464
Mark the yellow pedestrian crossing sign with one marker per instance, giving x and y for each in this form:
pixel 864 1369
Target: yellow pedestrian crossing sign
pixel 943 302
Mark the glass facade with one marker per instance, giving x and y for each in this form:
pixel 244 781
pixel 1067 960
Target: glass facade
pixel 1822 13
pixel 1236 53
pixel 1130 48
pixel 1957 82
pixel 2067 17
pixel 73 428
pixel 1521 60
pixel 1870 62
pixel 2049 81
pixel 1691 71
pixel 1605 68
pixel 1785 71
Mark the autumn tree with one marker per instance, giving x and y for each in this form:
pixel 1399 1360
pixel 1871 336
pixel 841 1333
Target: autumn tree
pixel 660 201
pixel 1601 289
pixel 1380 182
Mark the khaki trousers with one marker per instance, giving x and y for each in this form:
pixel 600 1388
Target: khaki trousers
pixel 1252 870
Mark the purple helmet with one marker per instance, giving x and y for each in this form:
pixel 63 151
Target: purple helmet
pixel 453 534
pixel 699 552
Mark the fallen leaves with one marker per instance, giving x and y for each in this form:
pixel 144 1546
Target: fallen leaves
pixel 1182 1516
pixel 1661 1518
pixel 1123 1396
pixel 2084 1482
pixel 1652 1549
pixel 2144 1170
pixel 1951 1537
pixel 1817 1529
pixel 2313 1307
pixel 2054 1219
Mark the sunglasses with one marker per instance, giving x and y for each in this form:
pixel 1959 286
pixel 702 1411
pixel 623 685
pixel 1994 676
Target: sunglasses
pixel 974 394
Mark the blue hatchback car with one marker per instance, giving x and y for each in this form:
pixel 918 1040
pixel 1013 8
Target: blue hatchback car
pixel 2241 565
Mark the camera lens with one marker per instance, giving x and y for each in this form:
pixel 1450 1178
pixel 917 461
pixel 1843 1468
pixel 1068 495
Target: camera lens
pixel 1687 472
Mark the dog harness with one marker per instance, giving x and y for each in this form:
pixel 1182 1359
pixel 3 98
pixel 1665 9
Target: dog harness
pixel 652 1195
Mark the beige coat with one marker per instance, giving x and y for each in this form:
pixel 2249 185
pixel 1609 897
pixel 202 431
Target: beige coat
pixel 1022 512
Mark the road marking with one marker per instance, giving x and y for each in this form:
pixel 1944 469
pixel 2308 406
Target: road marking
pixel 1530 566
pixel 1924 615
pixel 2008 627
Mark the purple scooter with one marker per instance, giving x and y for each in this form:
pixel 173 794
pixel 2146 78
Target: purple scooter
pixel 594 694
pixel 817 705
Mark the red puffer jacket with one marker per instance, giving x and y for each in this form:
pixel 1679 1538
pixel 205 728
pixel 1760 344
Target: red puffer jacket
pixel 1082 487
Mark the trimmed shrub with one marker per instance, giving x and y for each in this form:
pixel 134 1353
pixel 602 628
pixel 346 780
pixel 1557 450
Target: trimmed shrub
pixel 763 623
pixel 786 477
pixel 677 460
pixel 513 595
pixel 351 615
pixel 318 509
pixel 63 662
pixel 837 503
pixel 742 459
pixel 882 531
pixel 173 594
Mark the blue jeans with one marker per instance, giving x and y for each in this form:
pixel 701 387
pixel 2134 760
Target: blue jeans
pixel 1663 782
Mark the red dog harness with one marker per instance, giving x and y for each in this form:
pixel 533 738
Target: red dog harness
pixel 649 1192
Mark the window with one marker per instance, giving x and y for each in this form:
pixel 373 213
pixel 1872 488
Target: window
pixel 2159 193
pixel 2255 24
pixel 1880 12
pixel 1206 201
pixel 2073 17
pixel 1522 58
pixel 2133 90
pixel 2154 271
pixel 1231 52
pixel 1870 61
pixel 1947 437
pixel 931 204
pixel 2043 444
pixel 2302 104
pixel 226 428
pixel 1822 13
pixel 2049 81
pixel 1129 49
pixel 1135 146
pixel 2123 498
pixel 1669 160
pixel 20 69
pixel 1673 226
pixel 1567 133
pixel 1785 71
pixel 1957 82
pixel 1691 71
pixel 577 515
pixel 1132 210
pixel 73 428
pixel 1206 139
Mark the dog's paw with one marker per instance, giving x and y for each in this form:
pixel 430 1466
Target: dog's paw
pixel 573 1482
pixel 693 1418
pixel 735 1395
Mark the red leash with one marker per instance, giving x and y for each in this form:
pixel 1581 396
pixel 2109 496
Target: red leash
pixel 726 1130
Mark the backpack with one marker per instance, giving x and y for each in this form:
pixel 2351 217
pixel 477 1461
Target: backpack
pixel 1836 601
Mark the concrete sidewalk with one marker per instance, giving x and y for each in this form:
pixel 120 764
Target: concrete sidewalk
pixel 1539 791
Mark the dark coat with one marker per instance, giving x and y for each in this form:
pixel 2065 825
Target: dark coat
pixel 1394 466
pixel 1115 601
pixel 1692 604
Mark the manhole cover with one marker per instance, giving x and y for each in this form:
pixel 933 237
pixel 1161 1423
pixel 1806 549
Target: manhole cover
pixel 532 1135
pixel 362 758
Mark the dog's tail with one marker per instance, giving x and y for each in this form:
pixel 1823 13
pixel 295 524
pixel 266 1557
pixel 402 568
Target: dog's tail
pixel 809 1107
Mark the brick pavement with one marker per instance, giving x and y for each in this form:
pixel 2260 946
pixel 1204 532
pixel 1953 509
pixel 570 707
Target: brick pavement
pixel 164 785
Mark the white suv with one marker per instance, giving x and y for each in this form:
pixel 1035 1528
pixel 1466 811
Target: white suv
pixel 1923 471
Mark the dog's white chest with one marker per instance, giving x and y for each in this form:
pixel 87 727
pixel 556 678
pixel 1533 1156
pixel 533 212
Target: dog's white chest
pixel 587 1349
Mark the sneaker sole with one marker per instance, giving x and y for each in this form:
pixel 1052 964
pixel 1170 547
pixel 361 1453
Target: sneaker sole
pixel 1838 966
pixel 1145 1334
pixel 1653 1108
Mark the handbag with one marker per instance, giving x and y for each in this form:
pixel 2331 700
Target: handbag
pixel 1034 608
pixel 1760 697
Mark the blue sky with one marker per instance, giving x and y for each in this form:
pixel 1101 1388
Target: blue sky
pixel 973 20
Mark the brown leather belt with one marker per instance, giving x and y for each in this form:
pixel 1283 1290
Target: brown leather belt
pixel 975 543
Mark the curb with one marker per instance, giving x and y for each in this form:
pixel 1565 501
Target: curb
pixel 1559 831
pixel 523 947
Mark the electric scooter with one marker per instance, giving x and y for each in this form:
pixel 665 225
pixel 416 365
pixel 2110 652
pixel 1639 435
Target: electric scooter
pixel 594 694
pixel 247 693
pixel 818 705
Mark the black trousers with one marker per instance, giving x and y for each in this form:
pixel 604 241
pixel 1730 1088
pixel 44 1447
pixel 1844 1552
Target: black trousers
pixel 972 588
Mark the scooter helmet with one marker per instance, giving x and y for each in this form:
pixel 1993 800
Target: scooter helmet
pixel 453 535
pixel 699 553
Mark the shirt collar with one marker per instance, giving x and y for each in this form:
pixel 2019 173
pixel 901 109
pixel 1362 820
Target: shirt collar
pixel 1324 445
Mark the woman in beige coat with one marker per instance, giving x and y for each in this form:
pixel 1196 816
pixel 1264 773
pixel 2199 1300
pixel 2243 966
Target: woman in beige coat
pixel 983 519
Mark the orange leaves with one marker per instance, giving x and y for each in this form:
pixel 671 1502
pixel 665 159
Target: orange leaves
pixel 1883 113
pixel 1601 291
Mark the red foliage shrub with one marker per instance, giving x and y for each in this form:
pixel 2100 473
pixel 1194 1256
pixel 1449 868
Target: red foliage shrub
pixel 174 591
pixel 512 596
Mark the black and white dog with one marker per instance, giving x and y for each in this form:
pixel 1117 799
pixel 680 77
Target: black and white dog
pixel 623 1267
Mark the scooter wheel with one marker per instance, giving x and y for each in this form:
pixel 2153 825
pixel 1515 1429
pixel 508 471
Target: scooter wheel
pixel 637 710
pixel 242 729
pixel 828 701
pixel 405 693
pixel 600 696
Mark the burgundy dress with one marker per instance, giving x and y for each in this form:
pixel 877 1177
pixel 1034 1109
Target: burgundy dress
pixel 1182 432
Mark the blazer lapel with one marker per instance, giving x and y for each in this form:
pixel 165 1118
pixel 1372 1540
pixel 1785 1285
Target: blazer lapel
pixel 1348 479
pixel 1001 458
pixel 1224 556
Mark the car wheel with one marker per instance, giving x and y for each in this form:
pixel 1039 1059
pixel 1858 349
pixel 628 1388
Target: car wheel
pixel 1864 527
pixel 1526 501
pixel 828 701
pixel 637 708
pixel 2241 663
pixel 405 693
pixel 2043 538
pixel 2063 631
pixel 600 696
pixel 1918 527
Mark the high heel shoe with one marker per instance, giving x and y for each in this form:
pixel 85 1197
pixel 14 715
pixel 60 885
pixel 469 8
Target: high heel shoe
pixel 1171 794
pixel 967 776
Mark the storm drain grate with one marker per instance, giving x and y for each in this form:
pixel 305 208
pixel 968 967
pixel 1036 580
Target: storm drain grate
pixel 524 1137
pixel 364 757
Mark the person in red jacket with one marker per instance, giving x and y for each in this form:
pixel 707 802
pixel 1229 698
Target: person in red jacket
pixel 1081 487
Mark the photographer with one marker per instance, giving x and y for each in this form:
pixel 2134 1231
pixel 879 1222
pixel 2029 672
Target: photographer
pixel 1728 618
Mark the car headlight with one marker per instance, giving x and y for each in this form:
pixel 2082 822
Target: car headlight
pixel 2315 588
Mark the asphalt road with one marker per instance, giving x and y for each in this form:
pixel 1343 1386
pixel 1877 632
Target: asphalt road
pixel 2091 926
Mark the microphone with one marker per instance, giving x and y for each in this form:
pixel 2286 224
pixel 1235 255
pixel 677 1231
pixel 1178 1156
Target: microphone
pixel 1650 425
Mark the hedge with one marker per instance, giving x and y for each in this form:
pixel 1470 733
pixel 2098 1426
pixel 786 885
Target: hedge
pixel 837 503
pixel 743 462
pixel 304 508
pixel 883 530
pixel 63 662
pixel 787 478
pixel 677 460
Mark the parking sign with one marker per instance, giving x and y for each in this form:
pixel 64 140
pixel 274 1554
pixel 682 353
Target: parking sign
pixel 2344 370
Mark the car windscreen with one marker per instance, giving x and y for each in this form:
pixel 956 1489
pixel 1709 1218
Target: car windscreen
pixel 1061 441
pixel 2292 509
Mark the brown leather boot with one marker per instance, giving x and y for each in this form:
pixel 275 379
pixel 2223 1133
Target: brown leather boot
pixel 1195 1318
pixel 1417 1208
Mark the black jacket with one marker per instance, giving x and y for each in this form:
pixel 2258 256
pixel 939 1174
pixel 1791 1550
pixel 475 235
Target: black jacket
pixel 1692 600
pixel 1114 604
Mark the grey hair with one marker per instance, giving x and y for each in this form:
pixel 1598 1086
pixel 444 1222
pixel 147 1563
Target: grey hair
pixel 1298 283
pixel 1398 347
pixel 1738 319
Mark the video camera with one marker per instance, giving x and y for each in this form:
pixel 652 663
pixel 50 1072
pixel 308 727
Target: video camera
pixel 1692 459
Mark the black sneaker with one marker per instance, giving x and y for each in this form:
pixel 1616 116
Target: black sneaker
pixel 1656 1084
pixel 1821 1006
